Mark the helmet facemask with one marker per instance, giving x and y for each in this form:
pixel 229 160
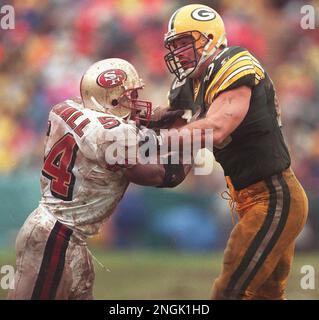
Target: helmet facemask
pixel 192 51
pixel 140 110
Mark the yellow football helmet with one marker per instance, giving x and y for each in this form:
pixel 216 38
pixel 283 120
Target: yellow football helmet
pixel 111 86
pixel 204 32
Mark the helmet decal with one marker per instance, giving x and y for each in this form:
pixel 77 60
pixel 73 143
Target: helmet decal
pixel 111 78
pixel 203 14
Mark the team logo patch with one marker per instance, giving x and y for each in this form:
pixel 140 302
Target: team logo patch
pixel 201 14
pixel 111 78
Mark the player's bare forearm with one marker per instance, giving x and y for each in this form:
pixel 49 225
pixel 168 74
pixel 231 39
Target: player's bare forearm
pixel 158 175
pixel 224 115
pixel 201 124
pixel 146 174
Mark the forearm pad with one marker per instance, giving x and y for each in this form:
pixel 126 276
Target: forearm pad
pixel 174 175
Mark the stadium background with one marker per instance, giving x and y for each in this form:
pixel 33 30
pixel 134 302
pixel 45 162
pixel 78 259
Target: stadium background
pixel 159 243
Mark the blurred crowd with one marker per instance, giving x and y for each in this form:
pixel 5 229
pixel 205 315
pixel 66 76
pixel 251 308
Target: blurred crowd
pixel 44 57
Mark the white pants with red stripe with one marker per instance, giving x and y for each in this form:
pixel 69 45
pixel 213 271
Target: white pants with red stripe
pixel 51 263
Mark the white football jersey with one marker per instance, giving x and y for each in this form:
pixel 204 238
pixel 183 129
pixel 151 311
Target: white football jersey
pixel 79 185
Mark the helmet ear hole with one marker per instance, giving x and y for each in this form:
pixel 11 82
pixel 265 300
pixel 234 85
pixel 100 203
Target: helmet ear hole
pixel 114 102
pixel 210 36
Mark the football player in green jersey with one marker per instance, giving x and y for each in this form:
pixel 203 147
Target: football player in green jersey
pixel 237 99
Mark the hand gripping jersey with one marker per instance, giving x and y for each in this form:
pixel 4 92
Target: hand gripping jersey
pixel 80 188
pixel 256 149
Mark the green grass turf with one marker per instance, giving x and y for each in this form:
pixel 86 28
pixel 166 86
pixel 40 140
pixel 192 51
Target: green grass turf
pixel 170 275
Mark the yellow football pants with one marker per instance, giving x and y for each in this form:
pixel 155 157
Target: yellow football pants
pixel 260 250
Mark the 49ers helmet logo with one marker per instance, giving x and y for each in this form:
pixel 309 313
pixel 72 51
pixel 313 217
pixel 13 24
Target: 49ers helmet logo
pixel 111 78
pixel 203 14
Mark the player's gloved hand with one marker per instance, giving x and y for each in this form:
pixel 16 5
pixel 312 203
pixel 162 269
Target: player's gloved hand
pixel 163 118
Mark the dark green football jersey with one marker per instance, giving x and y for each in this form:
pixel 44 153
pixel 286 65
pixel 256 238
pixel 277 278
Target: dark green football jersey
pixel 181 95
pixel 256 149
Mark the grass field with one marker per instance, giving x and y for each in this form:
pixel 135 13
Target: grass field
pixel 169 275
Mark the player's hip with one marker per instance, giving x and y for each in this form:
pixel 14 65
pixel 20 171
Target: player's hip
pixel 277 205
pixel 40 225
pixel 280 192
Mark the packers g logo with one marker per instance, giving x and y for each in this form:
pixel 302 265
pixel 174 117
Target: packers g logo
pixel 201 14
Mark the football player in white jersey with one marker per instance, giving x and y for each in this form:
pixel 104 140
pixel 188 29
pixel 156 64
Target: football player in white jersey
pixel 80 186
